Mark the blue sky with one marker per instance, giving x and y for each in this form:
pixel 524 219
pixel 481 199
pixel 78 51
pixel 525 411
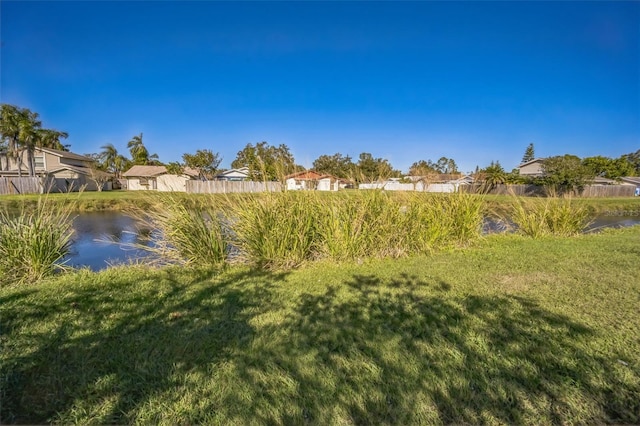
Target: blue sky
pixel 473 81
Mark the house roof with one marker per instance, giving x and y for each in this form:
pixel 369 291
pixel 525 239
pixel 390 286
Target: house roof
pixel 634 180
pixel 240 171
pixel 145 171
pixel 66 154
pixel 535 160
pixel 305 175
pixel 153 171
pixel 77 169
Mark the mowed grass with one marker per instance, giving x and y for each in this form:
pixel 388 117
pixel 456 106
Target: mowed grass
pixel 511 331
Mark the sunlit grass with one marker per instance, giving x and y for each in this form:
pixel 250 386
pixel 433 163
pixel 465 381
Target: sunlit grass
pixel 512 331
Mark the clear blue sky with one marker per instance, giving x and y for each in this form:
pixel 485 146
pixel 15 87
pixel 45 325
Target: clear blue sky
pixel 406 81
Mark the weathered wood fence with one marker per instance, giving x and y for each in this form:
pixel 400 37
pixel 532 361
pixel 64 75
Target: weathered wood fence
pixel 23 185
pixel 536 190
pixel 225 187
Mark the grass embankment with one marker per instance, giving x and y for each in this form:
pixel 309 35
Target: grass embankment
pixel 123 200
pixel 82 202
pixel 515 331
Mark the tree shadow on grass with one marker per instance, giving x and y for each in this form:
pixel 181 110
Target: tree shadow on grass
pixel 363 351
pixel 386 353
pixel 111 350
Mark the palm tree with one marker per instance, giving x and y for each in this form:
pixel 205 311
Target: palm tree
pixel 50 138
pixel 108 156
pixel 138 151
pixel 10 127
pixel 28 127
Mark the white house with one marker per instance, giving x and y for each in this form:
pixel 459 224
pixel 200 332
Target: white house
pixel 311 180
pixel 240 174
pixel 156 178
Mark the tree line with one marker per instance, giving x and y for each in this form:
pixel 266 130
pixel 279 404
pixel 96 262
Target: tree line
pixel 21 131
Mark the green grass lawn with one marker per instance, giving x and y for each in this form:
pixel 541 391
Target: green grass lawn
pixel 512 331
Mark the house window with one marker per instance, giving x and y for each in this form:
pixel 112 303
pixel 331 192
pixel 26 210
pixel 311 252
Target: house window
pixel 144 181
pixel 39 160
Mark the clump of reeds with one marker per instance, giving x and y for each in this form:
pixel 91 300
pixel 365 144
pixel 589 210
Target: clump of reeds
pixel 435 221
pixel 556 216
pixel 34 242
pixel 282 230
pixel 192 233
pixel 275 230
pixel 358 227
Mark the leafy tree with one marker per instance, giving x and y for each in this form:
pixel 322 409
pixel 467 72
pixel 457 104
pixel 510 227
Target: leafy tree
pixel 529 154
pixel 265 162
pixel 634 159
pixel 174 168
pixel 423 168
pixel 609 168
pixel 336 165
pixel 566 173
pixel 205 161
pixel 446 165
pixel 370 169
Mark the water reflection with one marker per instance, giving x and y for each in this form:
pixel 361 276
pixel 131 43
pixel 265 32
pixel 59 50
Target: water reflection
pixel 104 238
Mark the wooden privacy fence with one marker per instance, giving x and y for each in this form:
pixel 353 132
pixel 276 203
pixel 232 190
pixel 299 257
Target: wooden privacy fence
pixel 225 187
pixel 536 190
pixel 23 185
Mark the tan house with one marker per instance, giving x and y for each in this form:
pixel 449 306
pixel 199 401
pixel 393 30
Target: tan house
pixel 156 178
pixel 65 171
pixel 532 168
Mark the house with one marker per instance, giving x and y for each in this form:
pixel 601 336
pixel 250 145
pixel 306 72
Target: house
pixel 156 178
pixel 312 180
pixel 64 170
pixel 532 168
pixel 234 175
pixel 631 180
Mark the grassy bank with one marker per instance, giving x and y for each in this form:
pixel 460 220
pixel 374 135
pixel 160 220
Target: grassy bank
pixel 513 331
pixel 83 202
pixel 123 200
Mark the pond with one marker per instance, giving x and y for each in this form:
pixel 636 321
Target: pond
pixel 104 238
pixel 94 231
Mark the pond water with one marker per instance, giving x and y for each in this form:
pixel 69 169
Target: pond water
pixel 104 238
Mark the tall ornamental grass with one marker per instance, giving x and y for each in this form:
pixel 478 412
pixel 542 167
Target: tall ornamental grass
pixel 357 227
pixel 191 232
pixel 282 230
pixel 275 230
pixel 34 242
pixel 556 216
pixel 435 221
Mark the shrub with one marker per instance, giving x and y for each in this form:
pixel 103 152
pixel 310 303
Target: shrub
pixel 192 233
pixel 552 216
pixel 33 243
pixel 275 230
